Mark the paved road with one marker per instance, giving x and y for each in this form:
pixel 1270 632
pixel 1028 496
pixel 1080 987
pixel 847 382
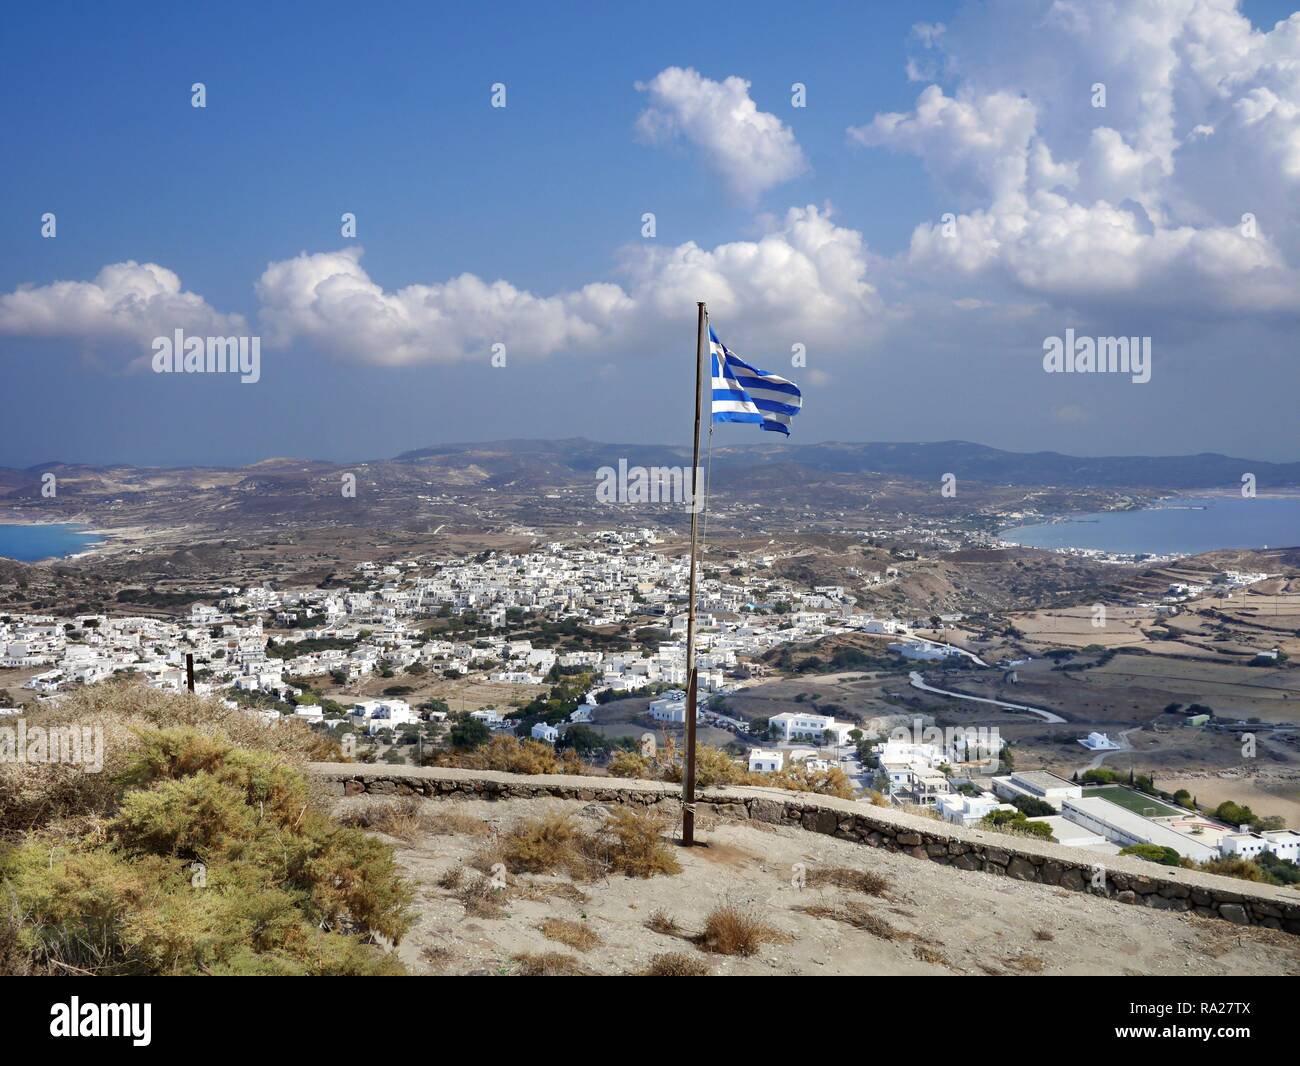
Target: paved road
pixel 1047 716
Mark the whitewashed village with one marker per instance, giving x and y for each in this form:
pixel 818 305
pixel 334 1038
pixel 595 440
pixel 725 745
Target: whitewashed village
pixel 250 645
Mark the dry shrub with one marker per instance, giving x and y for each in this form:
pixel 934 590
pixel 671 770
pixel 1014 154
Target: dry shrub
pixel 713 766
pixel 1044 934
pixel 728 930
pixel 676 964
pixel 481 900
pixel 513 756
pixel 629 764
pixel 444 823
pixel 34 795
pixel 544 891
pixel 1026 963
pixel 452 879
pixel 548 964
pixel 800 778
pixel 436 957
pixel 858 915
pixel 547 845
pixel 576 935
pixel 876 799
pixel 635 845
pixel 1242 869
pixel 934 956
pixel 629 842
pixel 864 881
pixel 403 819
pixel 662 922
pixel 288 891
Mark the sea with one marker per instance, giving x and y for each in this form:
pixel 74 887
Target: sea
pixel 28 544
pixel 1174 527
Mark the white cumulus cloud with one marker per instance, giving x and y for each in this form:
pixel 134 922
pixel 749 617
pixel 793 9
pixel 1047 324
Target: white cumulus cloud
pixel 752 150
pixel 805 280
pixel 1141 202
pixel 126 303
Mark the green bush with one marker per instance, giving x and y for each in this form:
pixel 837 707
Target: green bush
pixel 214 862
pixel 1154 853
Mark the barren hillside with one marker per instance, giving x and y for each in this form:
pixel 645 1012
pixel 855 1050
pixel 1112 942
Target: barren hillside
pixel 859 910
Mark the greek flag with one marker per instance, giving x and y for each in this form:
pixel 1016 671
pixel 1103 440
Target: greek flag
pixel 743 394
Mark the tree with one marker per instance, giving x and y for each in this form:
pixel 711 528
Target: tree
pixel 1033 807
pixel 469 733
pixel 582 739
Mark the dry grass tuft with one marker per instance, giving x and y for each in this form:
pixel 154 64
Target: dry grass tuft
pixel 1026 963
pixel 934 956
pixel 858 915
pixel 628 842
pixel 728 930
pixel 676 964
pixel 864 881
pixel 661 921
pixel 548 845
pixel 548 964
pixel 635 844
pixel 436 957
pixel 1044 934
pixel 576 935
pixel 408 819
pixel 514 756
pixel 452 879
pixel 454 824
pixel 481 900
pixel 545 891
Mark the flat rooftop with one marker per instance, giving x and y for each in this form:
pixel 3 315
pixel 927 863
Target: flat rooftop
pixel 1041 779
pixel 1136 825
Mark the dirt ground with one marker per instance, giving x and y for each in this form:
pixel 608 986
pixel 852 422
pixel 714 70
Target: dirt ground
pixel 929 920
pixel 1265 794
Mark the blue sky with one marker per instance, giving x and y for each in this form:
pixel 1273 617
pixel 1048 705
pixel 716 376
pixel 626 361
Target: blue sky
pixel 384 111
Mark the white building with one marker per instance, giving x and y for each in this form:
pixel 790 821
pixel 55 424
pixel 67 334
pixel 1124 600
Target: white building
pixel 1099 742
pixel 919 649
pixel 797 725
pixel 377 715
pixel 1284 843
pixel 547 733
pixel 671 707
pixel 961 809
pixel 1125 828
pixel 765 762
pixel 1039 784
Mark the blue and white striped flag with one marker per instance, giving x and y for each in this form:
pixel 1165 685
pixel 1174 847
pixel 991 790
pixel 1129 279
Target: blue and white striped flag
pixel 742 393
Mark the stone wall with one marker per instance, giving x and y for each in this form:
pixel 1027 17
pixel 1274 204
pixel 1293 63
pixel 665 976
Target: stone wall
pixel 1125 878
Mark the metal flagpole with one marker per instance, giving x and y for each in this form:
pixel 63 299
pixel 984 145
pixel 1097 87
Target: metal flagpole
pixel 688 780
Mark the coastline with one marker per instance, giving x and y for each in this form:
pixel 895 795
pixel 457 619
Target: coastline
pixel 1203 526
pixel 103 544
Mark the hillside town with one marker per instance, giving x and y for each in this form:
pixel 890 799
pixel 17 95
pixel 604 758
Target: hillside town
pixel 258 648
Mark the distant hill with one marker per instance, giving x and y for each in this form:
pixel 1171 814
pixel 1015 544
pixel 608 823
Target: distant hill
pixel 920 461
pixel 552 463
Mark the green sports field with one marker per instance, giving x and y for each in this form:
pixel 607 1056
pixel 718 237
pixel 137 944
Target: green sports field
pixel 1132 801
